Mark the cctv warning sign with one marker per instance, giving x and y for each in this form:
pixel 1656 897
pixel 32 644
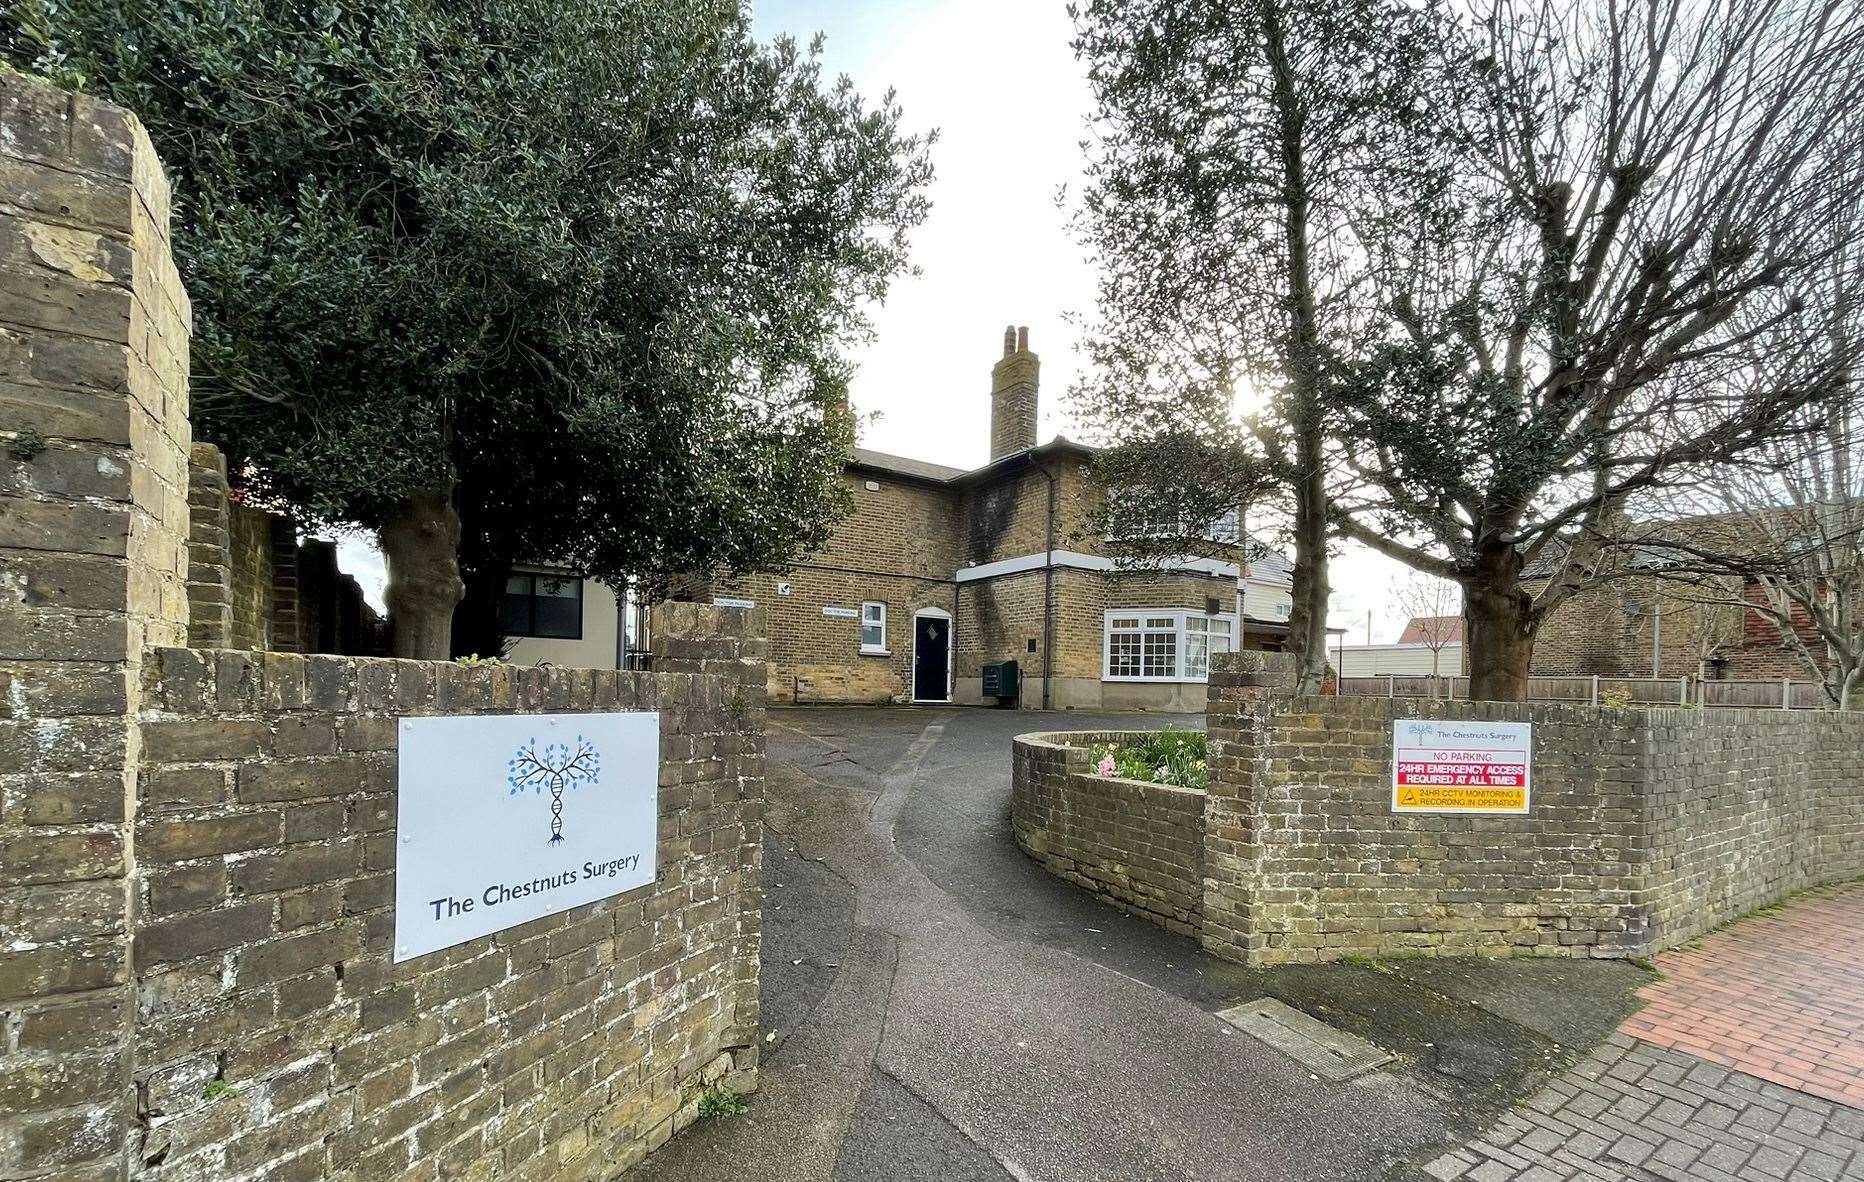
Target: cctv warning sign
pixel 1461 766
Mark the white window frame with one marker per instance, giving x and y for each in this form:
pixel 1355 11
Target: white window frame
pixel 1225 529
pixel 1149 624
pixel 880 621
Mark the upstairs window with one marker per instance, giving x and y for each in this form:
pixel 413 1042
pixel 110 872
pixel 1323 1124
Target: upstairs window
pixel 873 627
pixel 1132 521
pixel 544 606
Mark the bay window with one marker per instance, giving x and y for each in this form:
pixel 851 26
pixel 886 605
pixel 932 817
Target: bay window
pixel 1164 645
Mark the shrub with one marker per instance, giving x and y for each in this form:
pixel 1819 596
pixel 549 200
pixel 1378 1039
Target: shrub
pixel 1180 758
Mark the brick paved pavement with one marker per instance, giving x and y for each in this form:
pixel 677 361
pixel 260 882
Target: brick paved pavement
pixel 1747 1064
pixel 1778 995
pixel 1633 1112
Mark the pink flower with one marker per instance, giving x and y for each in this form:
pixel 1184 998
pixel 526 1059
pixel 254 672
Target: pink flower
pixel 1106 765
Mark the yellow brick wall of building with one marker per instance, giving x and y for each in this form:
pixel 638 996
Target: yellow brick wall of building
pixel 903 544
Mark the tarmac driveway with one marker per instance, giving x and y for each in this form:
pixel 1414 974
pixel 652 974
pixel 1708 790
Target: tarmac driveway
pixel 939 1007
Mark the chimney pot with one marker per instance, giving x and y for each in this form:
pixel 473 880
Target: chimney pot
pixel 1013 396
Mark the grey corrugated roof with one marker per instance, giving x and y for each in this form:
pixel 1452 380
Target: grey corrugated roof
pixel 902 465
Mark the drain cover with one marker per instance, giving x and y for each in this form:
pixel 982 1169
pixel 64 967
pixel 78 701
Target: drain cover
pixel 1328 1052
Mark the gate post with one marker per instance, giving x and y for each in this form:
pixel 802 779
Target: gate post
pixel 93 562
pixel 1243 687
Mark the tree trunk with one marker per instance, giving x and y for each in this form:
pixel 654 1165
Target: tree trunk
pixel 1499 618
pixel 1307 622
pixel 421 541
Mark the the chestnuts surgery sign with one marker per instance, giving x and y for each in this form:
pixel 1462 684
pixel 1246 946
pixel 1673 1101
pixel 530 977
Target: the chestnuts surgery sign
pixel 503 819
pixel 1461 766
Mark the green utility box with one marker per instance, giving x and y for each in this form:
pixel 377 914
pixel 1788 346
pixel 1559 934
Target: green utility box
pixel 1002 681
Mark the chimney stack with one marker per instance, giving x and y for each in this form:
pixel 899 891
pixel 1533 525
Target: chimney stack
pixel 1013 396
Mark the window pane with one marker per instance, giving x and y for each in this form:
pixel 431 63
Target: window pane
pixel 1161 654
pixel 1125 622
pixel 558 608
pixel 873 636
pixel 517 606
pixel 1161 622
pixel 1123 655
pixel 1196 656
pixel 873 613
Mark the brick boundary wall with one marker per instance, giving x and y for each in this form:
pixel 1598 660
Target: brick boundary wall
pixel 274 1036
pixel 1136 845
pixel 197 845
pixel 1647 827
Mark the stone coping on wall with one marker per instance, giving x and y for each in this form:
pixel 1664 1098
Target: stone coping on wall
pixel 1132 843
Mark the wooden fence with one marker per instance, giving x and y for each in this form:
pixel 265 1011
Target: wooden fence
pixel 1645 691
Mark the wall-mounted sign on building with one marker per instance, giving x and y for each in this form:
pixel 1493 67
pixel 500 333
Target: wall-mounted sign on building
pixel 505 819
pixel 841 613
pixel 1460 766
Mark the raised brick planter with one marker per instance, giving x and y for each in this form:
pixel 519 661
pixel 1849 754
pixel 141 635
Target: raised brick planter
pixel 1137 845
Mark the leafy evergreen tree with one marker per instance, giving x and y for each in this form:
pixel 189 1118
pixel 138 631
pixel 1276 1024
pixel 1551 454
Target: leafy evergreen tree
pixel 512 280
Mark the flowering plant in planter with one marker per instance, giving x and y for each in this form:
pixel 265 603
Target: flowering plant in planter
pixel 1172 756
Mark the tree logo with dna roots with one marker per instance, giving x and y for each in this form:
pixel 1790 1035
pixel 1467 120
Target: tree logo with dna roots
pixel 554 766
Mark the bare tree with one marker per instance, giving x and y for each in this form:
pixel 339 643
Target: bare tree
pixel 1644 193
pixel 1241 152
pixel 1785 542
pixel 1434 608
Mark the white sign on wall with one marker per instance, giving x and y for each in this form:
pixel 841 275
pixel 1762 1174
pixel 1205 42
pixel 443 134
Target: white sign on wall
pixel 1461 766
pixel 841 613
pixel 503 819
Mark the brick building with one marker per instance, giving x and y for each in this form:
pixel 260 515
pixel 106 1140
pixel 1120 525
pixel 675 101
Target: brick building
pixel 1643 625
pixel 940 571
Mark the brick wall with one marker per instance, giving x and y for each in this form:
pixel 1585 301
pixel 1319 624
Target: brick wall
pixel 1647 826
pixel 253 585
pixel 1138 846
pixel 249 543
pixel 93 566
pixel 210 566
pixel 1646 829
pixel 1744 807
pixel 197 846
pixel 275 1038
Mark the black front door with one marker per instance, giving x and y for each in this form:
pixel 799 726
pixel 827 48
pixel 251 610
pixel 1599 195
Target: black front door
pixel 931 658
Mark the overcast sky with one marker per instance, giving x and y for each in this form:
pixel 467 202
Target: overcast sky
pixel 999 81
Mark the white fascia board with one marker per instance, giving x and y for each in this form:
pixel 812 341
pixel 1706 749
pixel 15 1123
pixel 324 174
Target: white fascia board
pixel 1074 560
